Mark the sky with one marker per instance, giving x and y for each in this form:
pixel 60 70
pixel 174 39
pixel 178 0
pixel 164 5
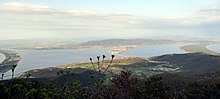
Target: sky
pixel 103 19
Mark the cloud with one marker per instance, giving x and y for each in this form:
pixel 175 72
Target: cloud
pixel 212 14
pixel 23 7
pixel 195 16
pixel 205 14
pixel 209 10
pixel 41 20
pixel 28 8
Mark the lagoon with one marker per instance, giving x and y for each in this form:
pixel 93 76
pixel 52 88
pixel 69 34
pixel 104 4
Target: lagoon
pixel 38 59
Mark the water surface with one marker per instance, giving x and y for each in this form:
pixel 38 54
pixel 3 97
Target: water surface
pixel 156 50
pixel 38 59
pixel 214 47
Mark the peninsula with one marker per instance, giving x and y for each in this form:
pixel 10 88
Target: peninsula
pixel 193 48
pixel 11 60
pixel 122 49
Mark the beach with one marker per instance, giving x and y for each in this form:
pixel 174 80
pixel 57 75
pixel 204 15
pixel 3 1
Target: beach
pixel 193 48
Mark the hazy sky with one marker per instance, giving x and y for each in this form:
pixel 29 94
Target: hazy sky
pixel 100 19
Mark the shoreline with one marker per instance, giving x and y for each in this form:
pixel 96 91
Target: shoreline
pixel 2 57
pixel 212 49
pixel 109 53
pixel 11 58
pixel 193 48
pixel 134 63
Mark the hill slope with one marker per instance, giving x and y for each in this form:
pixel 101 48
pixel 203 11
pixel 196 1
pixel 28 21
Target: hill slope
pixel 192 62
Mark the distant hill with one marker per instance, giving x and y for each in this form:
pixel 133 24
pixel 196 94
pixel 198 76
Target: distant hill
pixel 118 42
pixel 36 44
pixel 70 44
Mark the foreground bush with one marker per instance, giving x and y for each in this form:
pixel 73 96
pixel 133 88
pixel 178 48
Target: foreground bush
pixel 121 86
pixel 34 90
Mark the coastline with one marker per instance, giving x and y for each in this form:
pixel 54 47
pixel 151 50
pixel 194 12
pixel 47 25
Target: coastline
pixel 193 48
pixel 2 57
pixel 11 58
pixel 155 65
pixel 109 52
pixel 211 48
pixel 80 67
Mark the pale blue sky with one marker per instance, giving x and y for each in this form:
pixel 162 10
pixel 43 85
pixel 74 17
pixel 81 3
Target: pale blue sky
pixel 140 7
pixel 93 19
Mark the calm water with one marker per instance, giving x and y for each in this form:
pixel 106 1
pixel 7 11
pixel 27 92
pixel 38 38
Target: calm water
pixel 215 47
pixel 37 59
pixel 149 51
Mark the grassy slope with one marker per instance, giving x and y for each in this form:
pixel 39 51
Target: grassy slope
pixel 78 68
pixel 192 62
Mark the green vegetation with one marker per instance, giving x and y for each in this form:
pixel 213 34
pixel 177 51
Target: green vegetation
pixel 121 86
pixel 79 68
pixel 192 63
pixel 24 89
